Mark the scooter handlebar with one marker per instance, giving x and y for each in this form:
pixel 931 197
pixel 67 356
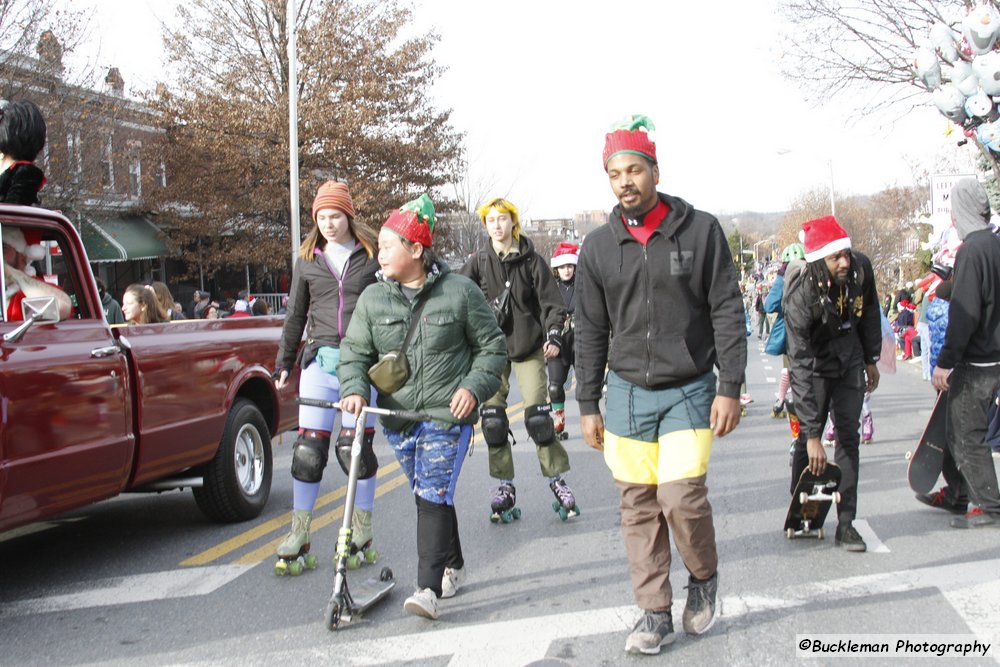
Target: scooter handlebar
pixel 409 415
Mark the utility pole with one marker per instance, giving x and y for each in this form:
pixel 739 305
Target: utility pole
pixel 293 127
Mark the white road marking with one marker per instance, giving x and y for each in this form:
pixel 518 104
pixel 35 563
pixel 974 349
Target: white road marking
pixel 971 588
pixel 875 545
pixel 770 379
pixel 188 582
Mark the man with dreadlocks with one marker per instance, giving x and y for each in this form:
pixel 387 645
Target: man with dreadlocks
pixel 834 338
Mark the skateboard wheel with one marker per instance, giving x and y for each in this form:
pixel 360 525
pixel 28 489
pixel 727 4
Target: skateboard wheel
pixel 820 534
pixel 836 497
pixel 371 555
pixel 385 574
pixel 353 562
pixel 295 567
pixel 803 498
pixel 790 533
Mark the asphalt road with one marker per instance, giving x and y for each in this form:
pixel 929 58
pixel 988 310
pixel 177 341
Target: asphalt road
pixel 147 580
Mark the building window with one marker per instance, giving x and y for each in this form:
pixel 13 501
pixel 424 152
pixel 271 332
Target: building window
pixel 161 174
pixel 135 169
pixel 75 151
pixel 108 166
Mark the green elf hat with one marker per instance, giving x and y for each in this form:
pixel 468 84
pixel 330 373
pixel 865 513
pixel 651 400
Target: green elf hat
pixel 414 221
pixel 630 136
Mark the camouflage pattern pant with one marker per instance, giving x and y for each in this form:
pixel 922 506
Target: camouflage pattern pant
pixel 431 455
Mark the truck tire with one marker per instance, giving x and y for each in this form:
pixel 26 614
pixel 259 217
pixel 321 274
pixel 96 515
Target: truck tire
pixel 237 482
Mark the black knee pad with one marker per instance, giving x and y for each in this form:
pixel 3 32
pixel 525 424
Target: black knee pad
pixel 309 455
pixel 369 462
pixel 538 423
pixel 494 425
pixel 556 393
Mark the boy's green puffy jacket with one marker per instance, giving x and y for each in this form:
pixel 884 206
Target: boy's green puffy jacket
pixel 457 343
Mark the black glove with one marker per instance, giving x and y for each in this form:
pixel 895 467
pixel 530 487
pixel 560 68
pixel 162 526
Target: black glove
pixel 555 337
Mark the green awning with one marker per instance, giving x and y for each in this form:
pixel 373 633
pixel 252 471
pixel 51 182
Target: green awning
pixel 119 239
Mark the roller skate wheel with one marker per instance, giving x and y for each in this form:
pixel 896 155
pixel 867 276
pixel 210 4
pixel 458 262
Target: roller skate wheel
pixel 555 505
pixel 743 412
pixel 353 561
pixel 516 512
pixel 563 514
pixel 371 555
pixel 281 568
pixel 494 518
pixel 311 561
pixel 295 567
pixel 507 516
pixel 385 574
pixel 790 533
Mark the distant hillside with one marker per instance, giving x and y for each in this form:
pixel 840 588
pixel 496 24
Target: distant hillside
pixel 752 222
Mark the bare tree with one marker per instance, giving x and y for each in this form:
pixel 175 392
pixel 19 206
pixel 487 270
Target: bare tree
pixel 365 116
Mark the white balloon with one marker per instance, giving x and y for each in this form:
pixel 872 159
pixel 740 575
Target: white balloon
pixel 951 102
pixel 987 70
pixel 979 105
pixel 981 28
pixel 944 38
pixel 928 68
pixel 961 74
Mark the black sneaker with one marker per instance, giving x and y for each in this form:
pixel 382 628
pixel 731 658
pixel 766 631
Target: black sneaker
pixel 653 630
pixel 699 614
pixel 974 518
pixel 849 539
pixel 941 500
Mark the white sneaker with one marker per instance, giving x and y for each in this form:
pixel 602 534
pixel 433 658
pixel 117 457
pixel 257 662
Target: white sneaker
pixel 451 581
pixel 422 603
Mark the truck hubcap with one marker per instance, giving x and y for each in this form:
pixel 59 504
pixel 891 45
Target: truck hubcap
pixel 249 460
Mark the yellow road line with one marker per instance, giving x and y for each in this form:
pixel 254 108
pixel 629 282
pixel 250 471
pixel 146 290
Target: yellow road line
pixel 267 551
pixel 279 523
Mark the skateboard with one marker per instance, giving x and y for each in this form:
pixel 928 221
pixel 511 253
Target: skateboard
pixel 927 460
pixel 345 605
pixel 811 501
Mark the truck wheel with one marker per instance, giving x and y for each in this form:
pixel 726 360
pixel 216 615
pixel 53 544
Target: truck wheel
pixel 238 479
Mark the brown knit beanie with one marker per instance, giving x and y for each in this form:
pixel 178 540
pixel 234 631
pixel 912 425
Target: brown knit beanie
pixel 333 195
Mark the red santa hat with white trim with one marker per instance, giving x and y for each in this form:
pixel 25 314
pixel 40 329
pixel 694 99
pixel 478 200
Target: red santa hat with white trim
pixel 566 253
pixel 823 237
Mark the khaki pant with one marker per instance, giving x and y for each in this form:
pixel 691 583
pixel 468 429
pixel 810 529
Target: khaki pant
pixel 532 381
pixel 649 512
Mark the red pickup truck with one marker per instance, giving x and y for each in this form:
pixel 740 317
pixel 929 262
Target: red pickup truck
pixel 89 411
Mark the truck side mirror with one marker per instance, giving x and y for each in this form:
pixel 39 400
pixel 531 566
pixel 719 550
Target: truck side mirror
pixel 36 309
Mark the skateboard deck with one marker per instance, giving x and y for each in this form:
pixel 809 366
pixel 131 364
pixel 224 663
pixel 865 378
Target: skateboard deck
pixel 927 460
pixel 811 501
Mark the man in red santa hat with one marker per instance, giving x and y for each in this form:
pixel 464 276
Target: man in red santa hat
pixel 834 339
pixel 19 282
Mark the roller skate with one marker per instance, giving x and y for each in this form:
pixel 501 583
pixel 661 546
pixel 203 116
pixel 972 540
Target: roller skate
pixel 829 435
pixel 559 421
pixel 564 504
pixel 867 429
pixel 778 410
pixel 362 536
pixel 502 505
pixel 293 552
pixel 745 400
